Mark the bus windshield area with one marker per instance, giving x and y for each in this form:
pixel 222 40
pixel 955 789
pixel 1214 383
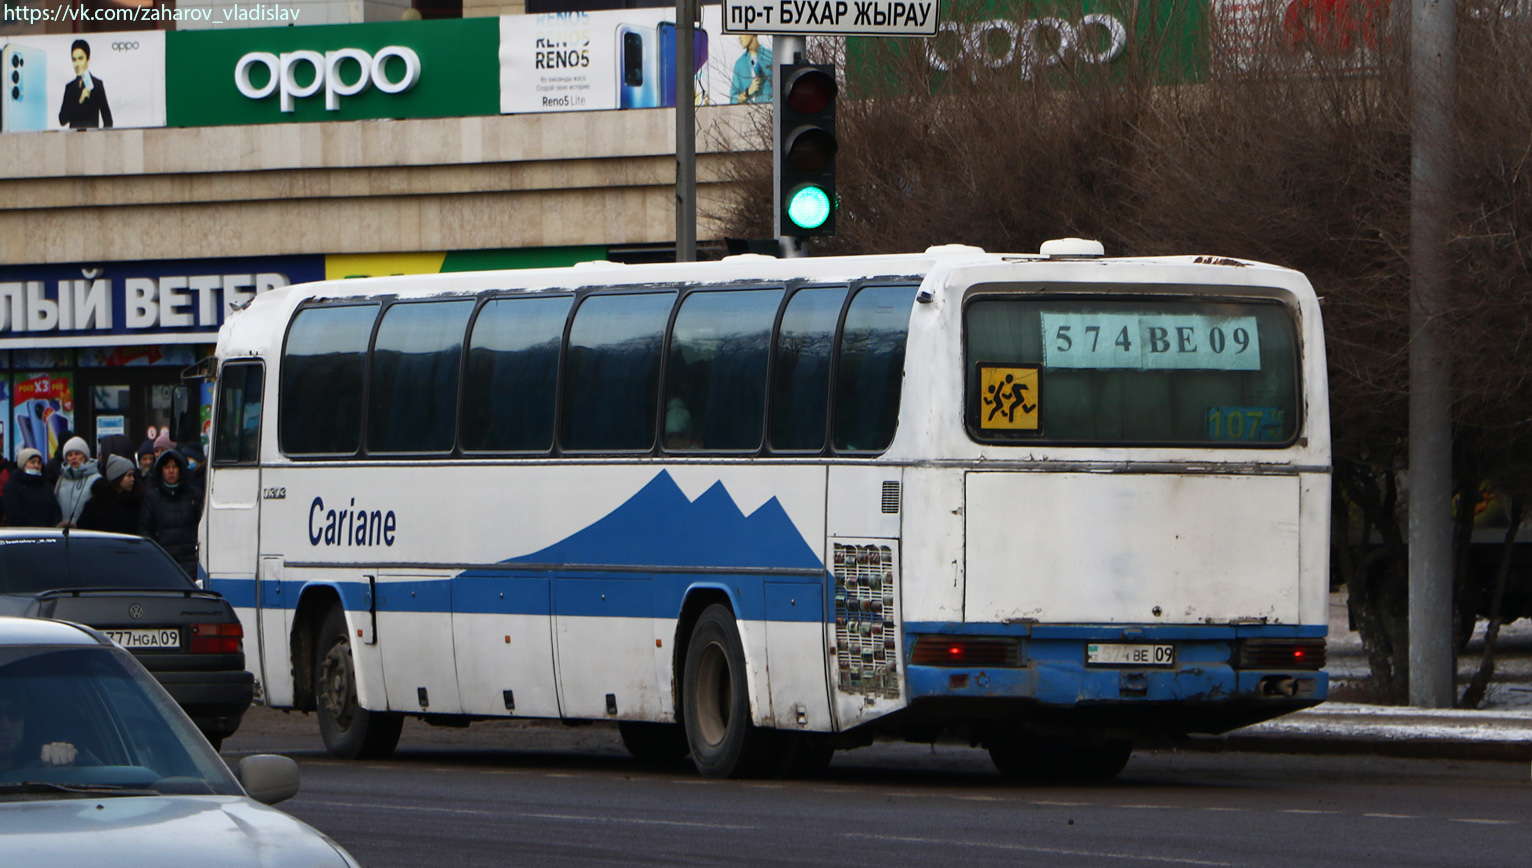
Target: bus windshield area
pixel 1171 371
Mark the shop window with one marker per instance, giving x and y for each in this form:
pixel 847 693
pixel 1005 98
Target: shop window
pixel 512 378
pixel 715 382
pixel 238 436
pixel 870 368
pixel 323 367
pixel 412 405
pixel 612 374
pixel 800 396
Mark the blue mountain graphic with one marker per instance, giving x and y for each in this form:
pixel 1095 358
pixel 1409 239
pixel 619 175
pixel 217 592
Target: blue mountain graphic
pixel 658 526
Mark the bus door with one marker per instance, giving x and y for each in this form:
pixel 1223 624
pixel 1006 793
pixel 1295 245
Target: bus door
pixel 271 620
pixel 866 677
pixel 233 515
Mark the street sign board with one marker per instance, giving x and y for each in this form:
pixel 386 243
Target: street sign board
pixel 831 17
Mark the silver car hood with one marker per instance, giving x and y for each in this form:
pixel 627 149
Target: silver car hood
pixel 161 831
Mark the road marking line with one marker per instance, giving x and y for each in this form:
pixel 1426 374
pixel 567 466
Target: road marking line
pixel 1393 816
pixel 1223 808
pixel 1063 804
pixel 632 821
pixel 1307 811
pixel 1484 822
pixel 1147 807
pixel 765 786
pixel 577 817
pixel 1057 851
pixel 558 775
pixel 981 798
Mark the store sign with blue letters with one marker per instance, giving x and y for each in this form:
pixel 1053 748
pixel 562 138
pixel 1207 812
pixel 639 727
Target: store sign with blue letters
pixel 168 301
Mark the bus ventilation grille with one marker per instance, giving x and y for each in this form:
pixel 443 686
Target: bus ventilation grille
pixel 891 497
pixel 866 658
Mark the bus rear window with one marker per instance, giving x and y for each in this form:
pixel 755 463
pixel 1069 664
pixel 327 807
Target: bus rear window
pixel 1161 371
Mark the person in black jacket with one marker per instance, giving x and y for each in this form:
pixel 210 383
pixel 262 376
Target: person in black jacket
pixel 172 507
pixel 115 499
pixel 28 498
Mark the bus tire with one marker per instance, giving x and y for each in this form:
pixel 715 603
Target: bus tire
pixel 656 743
pixel 723 741
pixel 349 731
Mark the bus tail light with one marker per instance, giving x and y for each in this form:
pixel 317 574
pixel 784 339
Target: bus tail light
pixel 1281 654
pixel 217 638
pixel 965 651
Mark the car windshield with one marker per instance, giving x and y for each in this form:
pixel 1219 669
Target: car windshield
pixel 89 721
pixel 30 565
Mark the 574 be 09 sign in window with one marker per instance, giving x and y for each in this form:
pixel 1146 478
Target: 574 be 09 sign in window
pixel 1164 371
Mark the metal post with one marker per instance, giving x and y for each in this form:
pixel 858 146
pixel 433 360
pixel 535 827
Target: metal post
pixel 686 132
pixel 784 49
pixel 1433 37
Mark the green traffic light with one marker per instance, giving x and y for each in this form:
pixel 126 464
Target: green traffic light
pixel 808 207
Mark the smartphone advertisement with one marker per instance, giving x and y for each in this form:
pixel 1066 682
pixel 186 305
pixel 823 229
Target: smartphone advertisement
pixel 83 81
pixel 624 59
pixel 44 412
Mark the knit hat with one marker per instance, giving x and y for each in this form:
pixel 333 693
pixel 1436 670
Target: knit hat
pixel 25 455
pixel 163 441
pixel 76 444
pixel 117 467
pixel 146 449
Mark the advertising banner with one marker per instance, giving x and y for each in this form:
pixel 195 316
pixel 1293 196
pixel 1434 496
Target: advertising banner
pixel 624 58
pixel 44 412
pixel 404 69
pixel 170 301
pixel 83 81
pixel 1039 38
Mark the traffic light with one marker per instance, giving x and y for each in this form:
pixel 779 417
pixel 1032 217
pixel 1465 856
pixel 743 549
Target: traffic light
pixel 806 148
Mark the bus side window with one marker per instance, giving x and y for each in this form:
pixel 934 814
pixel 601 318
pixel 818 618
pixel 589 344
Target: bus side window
pixel 715 382
pixel 870 368
pixel 323 364
pixel 800 392
pixel 238 437
pixel 412 401
pixel 509 390
pixel 612 373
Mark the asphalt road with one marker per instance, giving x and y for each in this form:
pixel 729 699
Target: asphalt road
pixel 508 794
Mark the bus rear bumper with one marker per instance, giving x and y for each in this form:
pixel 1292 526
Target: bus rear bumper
pixel 1066 684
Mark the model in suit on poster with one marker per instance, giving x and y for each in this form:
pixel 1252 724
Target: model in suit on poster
pixel 85 106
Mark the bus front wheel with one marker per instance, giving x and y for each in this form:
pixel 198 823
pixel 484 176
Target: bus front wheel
pixel 349 731
pixel 724 743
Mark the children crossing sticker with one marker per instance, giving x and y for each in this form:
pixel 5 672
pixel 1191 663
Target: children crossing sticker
pixel 1010 397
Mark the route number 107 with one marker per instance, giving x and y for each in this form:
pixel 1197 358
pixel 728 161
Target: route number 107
pixel 1246 423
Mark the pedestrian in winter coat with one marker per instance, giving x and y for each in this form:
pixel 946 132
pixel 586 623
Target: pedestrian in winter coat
pixel 76 477
pixel 171 510
pixel 115 500
pixel 28 500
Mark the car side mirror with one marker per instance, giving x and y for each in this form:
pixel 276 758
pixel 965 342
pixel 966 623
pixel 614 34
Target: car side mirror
pixel 269 778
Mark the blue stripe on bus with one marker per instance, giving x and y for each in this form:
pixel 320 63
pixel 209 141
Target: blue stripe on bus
pixel 584 594
pixel 1119 632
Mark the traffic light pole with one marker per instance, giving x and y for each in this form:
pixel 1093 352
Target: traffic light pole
pixel 784 49
pixel 686 132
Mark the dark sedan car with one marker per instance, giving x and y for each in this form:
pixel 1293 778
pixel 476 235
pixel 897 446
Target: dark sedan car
pixel 130 589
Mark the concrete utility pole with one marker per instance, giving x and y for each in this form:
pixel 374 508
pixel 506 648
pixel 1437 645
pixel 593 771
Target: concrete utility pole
pixel 784 49
pixel 1433 62
pixel 686 132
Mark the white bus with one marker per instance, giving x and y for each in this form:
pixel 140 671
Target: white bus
pixel 758 510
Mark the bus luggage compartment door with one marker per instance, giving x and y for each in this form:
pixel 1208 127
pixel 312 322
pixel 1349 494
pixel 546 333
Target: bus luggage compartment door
pixel 1111 548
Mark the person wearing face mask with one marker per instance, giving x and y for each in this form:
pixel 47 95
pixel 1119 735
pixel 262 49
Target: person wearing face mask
pixel 28 500
pixel 172 507
pixel 76 477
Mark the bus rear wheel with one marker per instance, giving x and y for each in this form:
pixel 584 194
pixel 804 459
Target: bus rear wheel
pixel 349 731
pixel 723 741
